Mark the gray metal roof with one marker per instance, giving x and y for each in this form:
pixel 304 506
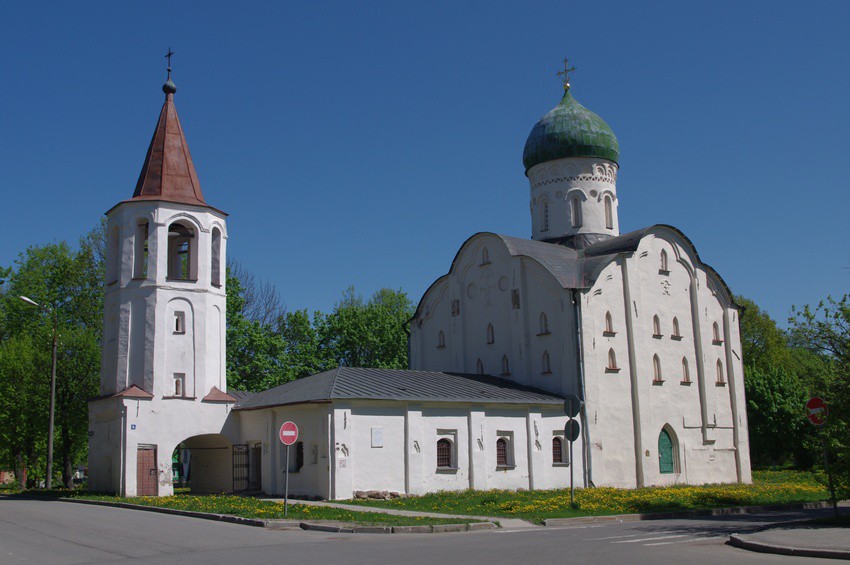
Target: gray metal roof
pixel 350 383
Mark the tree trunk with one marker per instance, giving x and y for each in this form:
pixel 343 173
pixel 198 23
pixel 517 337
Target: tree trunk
pixel 21 470
pixel 67 463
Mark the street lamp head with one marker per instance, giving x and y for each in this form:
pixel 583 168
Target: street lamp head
pixel 30 301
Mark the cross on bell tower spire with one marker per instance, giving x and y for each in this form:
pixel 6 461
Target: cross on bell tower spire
pixel 565 74
pixel 169 87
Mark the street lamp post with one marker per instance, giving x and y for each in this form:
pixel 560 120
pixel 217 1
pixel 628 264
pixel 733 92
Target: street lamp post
pixel 49 480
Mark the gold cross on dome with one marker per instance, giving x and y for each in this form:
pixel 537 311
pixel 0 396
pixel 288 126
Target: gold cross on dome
pixel 565 74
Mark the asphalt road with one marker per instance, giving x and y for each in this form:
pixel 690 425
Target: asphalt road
pixel 34 531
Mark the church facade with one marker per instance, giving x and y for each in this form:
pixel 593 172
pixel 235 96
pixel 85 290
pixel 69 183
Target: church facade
pixel 635 325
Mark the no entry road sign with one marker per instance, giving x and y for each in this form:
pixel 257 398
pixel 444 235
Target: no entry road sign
pixel 816 411
pixel 288 433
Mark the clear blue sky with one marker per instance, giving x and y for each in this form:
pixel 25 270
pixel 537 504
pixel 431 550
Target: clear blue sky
pixel 360 143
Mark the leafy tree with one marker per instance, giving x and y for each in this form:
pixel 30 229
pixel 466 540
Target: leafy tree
pixel 69 282
pixel 775 397
pixel 763 344
pixel 825 332
pixel 256 357
pixel 367 334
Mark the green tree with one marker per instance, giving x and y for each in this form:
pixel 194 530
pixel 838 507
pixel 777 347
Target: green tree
pixel 367 334
pixel 764 345
pixel 825 332
pixel 70 283
pixel 256 357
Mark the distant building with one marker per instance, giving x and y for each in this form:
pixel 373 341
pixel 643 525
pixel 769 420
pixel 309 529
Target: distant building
pixel 635 325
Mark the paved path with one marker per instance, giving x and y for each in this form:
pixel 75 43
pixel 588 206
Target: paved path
pixel 41 531
pixel 807 540
pixel 508 523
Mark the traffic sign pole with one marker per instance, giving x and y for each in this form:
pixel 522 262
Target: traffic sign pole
pixel 286 487
pixel 288 435
pixel 572 406
pixel 817 413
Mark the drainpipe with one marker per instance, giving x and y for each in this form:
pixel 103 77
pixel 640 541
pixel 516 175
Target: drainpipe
pixel 122 483
pixel 635 396
pixel 588 459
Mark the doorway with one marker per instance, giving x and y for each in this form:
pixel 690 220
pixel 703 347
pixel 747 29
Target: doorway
pixel 146 473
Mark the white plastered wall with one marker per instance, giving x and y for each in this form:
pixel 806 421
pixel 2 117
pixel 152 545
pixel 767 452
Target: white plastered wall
pixel 628 408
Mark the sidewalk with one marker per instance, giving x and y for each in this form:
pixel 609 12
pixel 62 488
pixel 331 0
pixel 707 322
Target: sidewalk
pixel 802 540
pixel 508 523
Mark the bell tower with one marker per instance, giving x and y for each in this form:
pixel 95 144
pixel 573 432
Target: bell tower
pixel 164 319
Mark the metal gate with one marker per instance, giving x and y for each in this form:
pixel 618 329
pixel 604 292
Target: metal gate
pixel 241 467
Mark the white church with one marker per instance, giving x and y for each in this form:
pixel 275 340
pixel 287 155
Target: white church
pixel 635 325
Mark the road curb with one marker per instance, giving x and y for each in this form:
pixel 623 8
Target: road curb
pixel 255 522
pixel 738 541
pixel 289 524
pixel 435 529
pixel 686 513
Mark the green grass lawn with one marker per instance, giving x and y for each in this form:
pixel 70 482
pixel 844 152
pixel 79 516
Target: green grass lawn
pixel 769 487
pixel 249 507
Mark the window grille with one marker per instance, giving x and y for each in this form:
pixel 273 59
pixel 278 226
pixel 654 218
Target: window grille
pixel 444 453
pixel 502 452
pixel 557 450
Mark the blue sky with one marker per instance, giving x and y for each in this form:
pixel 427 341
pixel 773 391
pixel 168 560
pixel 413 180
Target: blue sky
pixel 360 143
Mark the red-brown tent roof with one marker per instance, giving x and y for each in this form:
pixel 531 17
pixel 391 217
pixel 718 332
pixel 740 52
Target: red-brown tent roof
pixel 216 395
pixel 134 391
pixel 168 173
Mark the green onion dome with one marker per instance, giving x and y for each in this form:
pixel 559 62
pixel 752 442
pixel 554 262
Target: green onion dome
pixel 569 130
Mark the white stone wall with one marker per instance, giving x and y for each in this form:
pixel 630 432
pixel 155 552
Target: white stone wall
pixel 555 183
pixel 392 446
pixel 628 407
pixel 480 293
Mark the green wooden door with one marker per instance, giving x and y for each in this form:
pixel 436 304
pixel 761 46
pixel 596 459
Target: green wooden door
pixel 665 452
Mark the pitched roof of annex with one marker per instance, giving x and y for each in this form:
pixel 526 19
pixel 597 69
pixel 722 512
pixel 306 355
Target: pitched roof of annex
pixel 353 383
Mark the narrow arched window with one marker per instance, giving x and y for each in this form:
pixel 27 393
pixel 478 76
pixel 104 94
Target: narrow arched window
pixel 656 326
pixel 716 332
pixel 178 386
pixel 545 216
pixel 485 256
pixel 506 368
pixel 479 367
pixel 575 211
pixel 664 260
pixel 612 360
pixel 686 374
pixel 721 377
pixel 215 258
pixel 441 339
pixel 656 369
pixel 609 213
pixel 501 452
pixel 182 255
pixel 544 323
pixel 557 450
pixel 491 334
pixel 609 323
pixel 676 332
pixel 547 367
pixel 140 251
pixel 444 453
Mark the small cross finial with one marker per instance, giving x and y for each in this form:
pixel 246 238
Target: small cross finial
pixel 168 56
pixel 565 74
